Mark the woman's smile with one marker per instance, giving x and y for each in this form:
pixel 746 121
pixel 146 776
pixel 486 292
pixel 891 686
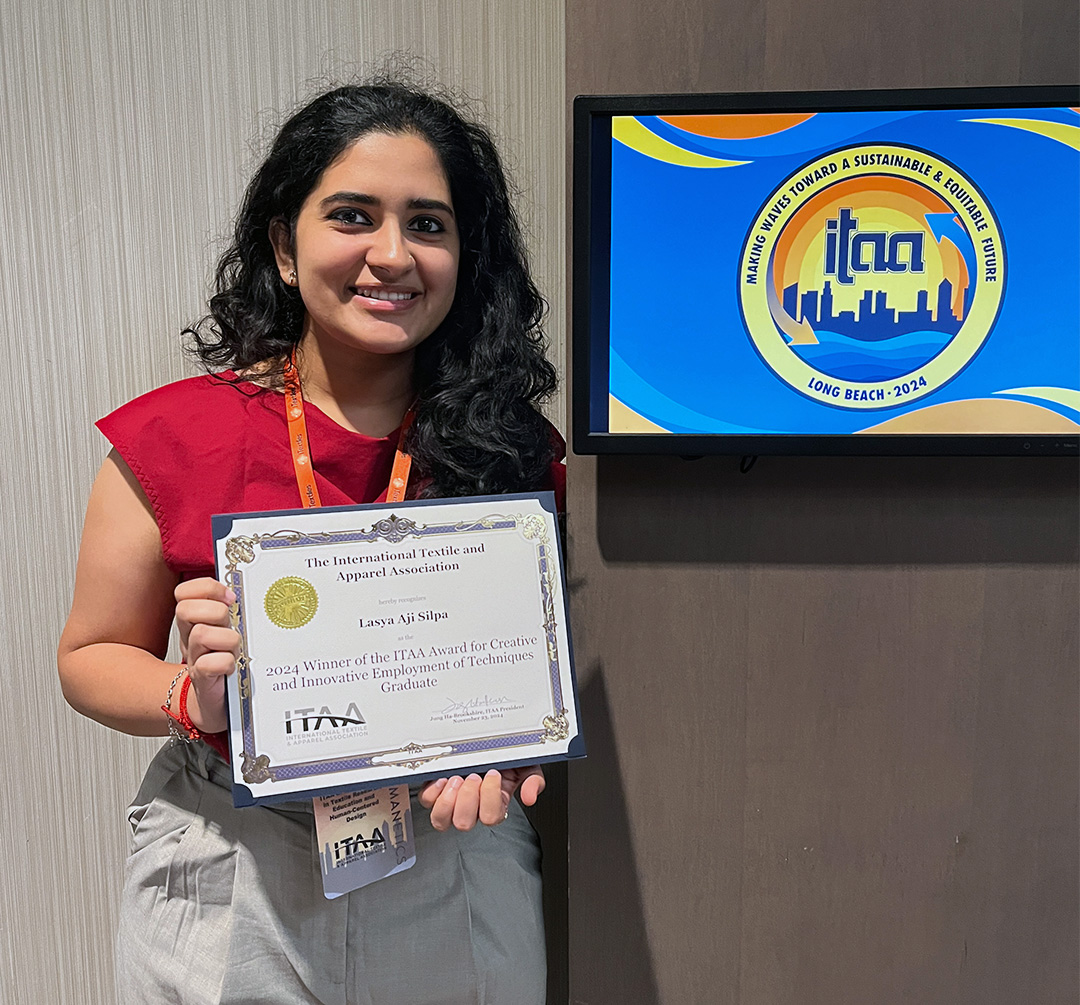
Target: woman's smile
pixel 385 294
pixel 384 298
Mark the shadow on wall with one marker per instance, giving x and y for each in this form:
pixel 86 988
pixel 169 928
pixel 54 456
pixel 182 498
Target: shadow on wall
pixel 607 920
pixel 839 510
pixel 548 816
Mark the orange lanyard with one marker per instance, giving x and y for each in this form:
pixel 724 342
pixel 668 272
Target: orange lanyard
pixel 301 451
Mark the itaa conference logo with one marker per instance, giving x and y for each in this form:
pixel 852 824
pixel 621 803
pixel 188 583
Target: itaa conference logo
pixel 872 276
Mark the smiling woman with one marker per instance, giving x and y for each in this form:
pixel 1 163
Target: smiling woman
pixel 377 265
pixel 481 375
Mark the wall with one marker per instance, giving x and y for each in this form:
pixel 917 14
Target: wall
pixel 129 130
pixel 831 705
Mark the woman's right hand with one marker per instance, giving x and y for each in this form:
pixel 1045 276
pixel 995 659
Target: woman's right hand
pixel 209 646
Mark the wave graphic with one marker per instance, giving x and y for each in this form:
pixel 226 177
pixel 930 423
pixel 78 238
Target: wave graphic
pixel 833 129
pixel 848 358
pixel 625 384
pixel 818 132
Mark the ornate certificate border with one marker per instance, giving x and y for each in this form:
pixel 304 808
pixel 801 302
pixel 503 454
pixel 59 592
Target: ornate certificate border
pixel 241 550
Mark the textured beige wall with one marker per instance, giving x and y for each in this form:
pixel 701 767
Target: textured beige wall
pixel 127 131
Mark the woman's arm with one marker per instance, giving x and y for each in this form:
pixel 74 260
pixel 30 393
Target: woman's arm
pixel 111 653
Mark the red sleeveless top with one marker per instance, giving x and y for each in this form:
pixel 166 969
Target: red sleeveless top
pixel 206 445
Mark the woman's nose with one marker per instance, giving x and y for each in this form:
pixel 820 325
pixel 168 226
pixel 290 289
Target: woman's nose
pixel 389 248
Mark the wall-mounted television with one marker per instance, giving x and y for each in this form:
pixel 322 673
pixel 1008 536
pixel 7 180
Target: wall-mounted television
pixel 872 272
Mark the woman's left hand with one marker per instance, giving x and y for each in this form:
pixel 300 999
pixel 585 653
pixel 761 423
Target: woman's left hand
pixel 462 802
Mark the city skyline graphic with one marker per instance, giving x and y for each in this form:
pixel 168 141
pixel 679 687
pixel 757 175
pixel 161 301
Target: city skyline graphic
pixel 874 320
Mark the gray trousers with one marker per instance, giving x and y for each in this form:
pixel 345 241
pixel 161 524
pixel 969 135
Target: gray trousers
pixel 226 906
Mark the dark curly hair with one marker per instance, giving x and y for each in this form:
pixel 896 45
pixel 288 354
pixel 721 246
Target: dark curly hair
pixel 481 375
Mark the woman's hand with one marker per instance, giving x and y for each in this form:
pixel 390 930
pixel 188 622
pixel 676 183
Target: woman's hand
pixel 209 647
pixel 464 801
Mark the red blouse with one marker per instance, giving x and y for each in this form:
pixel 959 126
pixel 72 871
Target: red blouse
pixel 205 445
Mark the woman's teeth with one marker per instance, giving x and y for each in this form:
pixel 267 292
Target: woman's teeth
pixel 383 294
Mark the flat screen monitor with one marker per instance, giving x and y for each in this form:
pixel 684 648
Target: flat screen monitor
pixel 874 272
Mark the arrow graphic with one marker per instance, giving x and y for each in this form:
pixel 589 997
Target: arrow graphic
pixel 945 226
pixel 796 332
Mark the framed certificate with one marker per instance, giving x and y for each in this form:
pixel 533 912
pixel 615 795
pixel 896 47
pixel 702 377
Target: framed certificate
pixel 396 642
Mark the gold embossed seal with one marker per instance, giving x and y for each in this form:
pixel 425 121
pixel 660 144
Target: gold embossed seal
pixel 291 602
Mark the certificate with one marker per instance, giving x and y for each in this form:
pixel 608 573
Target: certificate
pixel 395 643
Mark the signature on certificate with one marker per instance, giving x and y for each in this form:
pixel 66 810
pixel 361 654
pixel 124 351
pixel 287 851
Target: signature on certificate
pixel 484 704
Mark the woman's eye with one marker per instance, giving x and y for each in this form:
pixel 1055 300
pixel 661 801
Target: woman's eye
pixel 427 225
pixel 350 215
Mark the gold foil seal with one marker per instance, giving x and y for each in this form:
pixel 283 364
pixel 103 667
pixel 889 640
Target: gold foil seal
pixel 291 602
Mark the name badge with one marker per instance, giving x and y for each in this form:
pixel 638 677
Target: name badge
pixel 363 837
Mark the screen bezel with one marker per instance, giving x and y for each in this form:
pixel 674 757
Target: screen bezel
pixel 591 253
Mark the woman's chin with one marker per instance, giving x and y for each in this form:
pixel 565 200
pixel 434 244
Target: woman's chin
pixel 390 342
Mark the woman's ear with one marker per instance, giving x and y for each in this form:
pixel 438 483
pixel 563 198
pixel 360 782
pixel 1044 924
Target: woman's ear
pixel 281 240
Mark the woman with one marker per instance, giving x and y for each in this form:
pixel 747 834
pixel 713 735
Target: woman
pixel 376 250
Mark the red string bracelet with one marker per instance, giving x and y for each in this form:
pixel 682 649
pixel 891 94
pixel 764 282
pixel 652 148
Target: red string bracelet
pixel 183 719
pixel 216 741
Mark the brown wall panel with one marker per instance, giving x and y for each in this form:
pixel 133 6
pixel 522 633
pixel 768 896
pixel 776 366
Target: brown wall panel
pixel 832 704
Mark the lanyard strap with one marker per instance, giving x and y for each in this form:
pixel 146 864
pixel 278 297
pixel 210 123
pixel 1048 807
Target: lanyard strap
pixel 301 451
pixel 399 474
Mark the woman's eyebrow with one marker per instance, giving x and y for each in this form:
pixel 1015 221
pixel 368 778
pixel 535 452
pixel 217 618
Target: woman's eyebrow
pixel 430 204
pixel 370 200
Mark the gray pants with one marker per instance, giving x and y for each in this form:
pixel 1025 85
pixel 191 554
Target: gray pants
pixel 226 906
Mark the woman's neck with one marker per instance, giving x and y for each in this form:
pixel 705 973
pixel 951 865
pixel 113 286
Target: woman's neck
pixel 366 392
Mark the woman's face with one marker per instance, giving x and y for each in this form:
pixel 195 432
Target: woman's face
pixel 376 246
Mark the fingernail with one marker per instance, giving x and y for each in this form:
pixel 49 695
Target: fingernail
pixel 474 776
pixel 230 597
pixel 456 782
pixel 491 772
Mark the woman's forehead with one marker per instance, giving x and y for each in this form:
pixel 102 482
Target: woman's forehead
pixel 395 161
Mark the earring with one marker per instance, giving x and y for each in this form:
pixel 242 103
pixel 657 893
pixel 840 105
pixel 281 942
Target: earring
pixel 292 277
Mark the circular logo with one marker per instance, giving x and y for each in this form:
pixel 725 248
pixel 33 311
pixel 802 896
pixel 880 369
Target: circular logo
pixel 291 602
pixel 872 276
